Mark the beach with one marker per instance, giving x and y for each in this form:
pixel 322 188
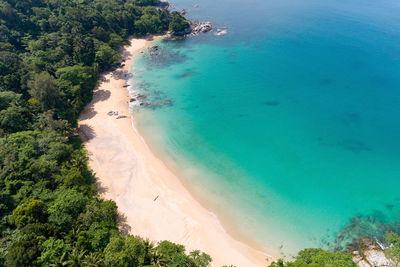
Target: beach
pixel 151 199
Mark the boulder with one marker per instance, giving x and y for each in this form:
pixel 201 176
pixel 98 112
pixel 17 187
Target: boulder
pixel 198 27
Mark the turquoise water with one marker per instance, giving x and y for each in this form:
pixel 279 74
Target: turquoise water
pixel 288 126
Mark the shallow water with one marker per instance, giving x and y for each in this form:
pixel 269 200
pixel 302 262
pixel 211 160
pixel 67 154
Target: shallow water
pixel 288 126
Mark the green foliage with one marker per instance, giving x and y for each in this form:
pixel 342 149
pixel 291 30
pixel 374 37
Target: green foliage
pixel 200 258
pixel 106 56
pixel 32 212
pixel 178 23
pixel 69 203
pixel 123 252
pixel 166 251
pixel 22 253
pixel 315 257
pixel 393 251
pixel 43 88
pixel 52 249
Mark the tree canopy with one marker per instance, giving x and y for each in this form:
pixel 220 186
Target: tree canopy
pixel 316 257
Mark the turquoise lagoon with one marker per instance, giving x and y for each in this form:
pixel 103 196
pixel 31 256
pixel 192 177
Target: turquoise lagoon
pixel 288 127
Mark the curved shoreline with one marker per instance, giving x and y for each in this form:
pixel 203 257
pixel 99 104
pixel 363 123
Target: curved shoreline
pixel 152 200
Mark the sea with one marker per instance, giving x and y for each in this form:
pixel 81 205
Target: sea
pixel 284 120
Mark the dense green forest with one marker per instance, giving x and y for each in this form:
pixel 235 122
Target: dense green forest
pixel 51 53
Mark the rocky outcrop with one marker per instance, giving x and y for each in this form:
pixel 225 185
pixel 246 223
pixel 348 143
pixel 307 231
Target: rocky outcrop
pixel 162 4
pixel 198 27
pixel 185 32
pixel 194 28
pixel 370 253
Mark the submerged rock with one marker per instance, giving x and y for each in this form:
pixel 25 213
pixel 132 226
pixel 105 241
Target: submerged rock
pixel 160 103
pixel 220 32
pixel 141 97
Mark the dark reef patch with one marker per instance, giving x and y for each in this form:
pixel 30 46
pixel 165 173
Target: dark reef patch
pixel 350 119
pixel 162 56
pixel 324 82
pixel 187 73
pixel 272 103
pixel 352 145
pixel 373 226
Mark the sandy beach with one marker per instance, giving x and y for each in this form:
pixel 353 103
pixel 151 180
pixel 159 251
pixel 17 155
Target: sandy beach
pixel 152 200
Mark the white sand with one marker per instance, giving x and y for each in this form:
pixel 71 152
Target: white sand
pixel 133 177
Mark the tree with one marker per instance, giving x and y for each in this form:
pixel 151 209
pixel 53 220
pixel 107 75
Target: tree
pixel 106 56
pixel 52 250
pixel 177 22
pixel 393 251
pixel 166 251
pixel 43 87
pixel 201 259
pixel 22 253
pixel 316 257
pixel 124 252
pixel 31 212
pixel 94 260
pixel 68 204
pixel 13 119
pixel 76 258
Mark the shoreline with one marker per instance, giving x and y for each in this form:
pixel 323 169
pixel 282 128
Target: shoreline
pixel 153 201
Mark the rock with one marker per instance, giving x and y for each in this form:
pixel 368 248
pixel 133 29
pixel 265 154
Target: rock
pixel 141 97
pixel 186 31
pixel 162 4
pixel 126 85
pixel 371 254
pixel 132 100
pixel 183 12
pixel 112 113
pixel 203 27
pixel 121 117
pixel 144 104
pixel 194 28
pixel 221 32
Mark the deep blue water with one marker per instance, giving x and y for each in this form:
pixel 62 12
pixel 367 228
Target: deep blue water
pixel 288 126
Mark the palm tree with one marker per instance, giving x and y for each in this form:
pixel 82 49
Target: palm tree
pixel 60 262
pixel 149 254
pixel 75 258
pixel 74 233
pixel 94 260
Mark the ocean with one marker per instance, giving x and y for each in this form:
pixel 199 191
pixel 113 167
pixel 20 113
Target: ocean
pixel 287 127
